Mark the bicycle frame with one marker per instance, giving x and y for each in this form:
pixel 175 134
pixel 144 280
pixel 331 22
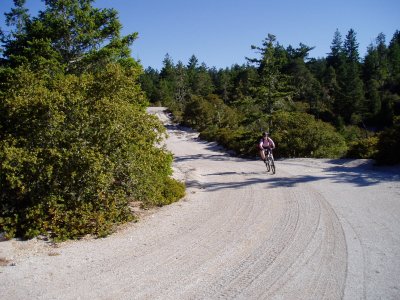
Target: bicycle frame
pixel 269 160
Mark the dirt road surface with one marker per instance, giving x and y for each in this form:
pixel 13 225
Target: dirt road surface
pixel 317 229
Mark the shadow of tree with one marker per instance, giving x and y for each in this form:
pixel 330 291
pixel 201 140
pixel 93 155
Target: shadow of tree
pixel 360 173
pixel 359 176
pixel 214 157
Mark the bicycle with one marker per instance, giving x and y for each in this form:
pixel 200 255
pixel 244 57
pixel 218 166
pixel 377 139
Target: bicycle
pixel 269 160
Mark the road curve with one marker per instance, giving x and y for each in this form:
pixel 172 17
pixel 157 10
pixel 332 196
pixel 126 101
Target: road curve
pixel 240 233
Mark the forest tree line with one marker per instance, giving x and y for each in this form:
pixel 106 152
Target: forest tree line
pixel 77 147
pixel 338 106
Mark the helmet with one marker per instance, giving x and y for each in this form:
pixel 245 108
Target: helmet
pixel 265 134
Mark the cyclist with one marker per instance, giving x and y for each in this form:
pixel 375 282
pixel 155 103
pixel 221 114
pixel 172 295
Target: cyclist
pixel 265 143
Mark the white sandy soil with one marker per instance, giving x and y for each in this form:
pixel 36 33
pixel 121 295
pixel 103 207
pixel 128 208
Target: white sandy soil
pixel 317 229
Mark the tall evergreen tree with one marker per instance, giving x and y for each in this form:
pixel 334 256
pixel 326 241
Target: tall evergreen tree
pixel 204 85
pixel 168 69
pixel 391 94
pixel 335 57
pixel 69 33
pixel 307 87
pixel 222 82
pixel 350 97
pixel 375 74
pixel 394 62
pixel 167 81
pixel 182 86
pixel 18 17
pixel 193 75
pixel 149 82
pixel 273 91
pixel 350 47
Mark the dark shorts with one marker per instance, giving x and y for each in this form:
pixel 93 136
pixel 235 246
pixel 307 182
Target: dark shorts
pixel 267 149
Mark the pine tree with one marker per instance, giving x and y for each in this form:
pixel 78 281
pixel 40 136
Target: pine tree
pixel 168 69
pixel 350 96
pixel 273 91
pixel 335 58
pixel 307 87
pixel 193 75
pixel 149 82
pixel 182 86
pixel 69 33
pixel 375 74
pixel 167 81
pixel 18 17
pixel 394 62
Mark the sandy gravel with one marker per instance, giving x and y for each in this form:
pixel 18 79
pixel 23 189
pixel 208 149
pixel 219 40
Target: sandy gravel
pixel 317 229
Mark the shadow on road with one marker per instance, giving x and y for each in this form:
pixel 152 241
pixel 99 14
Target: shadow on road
pixel 360 173
pixel 214 157
pixel 338 171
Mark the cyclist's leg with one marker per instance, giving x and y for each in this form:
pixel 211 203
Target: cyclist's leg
pixel 262 154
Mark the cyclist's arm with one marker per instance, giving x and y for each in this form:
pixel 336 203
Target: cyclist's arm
pixel 260 145
pixel 272 143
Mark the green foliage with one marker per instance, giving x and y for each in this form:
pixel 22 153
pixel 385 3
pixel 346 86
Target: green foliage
pixel 171 191
pixel 301 135
pixel 202 113
pixel 363 148
pixel 295 134
pixel 389 145
pixel 238 140
pixel 352 133
pixel 66 34
pixel 75 150
pixel 273 91
pixel 342 89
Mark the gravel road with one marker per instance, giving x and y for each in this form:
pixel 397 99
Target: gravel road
pixel 317 229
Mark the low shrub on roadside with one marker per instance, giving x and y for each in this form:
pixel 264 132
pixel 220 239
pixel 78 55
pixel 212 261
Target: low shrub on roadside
pixel 363 148
pixel 389 145
pixel 74 150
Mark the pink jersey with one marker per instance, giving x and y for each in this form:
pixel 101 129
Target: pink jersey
pixel 267 143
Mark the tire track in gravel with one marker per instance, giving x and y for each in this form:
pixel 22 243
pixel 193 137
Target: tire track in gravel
pixel 302 252
pixel 304 255
pixel 237 235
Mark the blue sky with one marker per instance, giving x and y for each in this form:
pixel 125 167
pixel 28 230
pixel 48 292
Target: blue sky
pixel 220 32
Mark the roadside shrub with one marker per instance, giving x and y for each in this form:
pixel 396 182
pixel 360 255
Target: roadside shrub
pixel 172 191
pixel 301 135
pixel 205 113
pixel 389 145
pixel 239 140
pixel 363 148
pixel 75 150
pixel 352 133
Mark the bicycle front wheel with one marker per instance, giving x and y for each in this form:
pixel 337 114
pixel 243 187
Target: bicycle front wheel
pixel 272 163
pixel 267 164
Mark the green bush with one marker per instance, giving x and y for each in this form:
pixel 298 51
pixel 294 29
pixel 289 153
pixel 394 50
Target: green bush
pixel 299 134
pixel 389 145
pixel 296 134
pixel 239 140
pixel 352 133
pixel 203 113
pixel 172 191
pixel 74 150
pixel 363 148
